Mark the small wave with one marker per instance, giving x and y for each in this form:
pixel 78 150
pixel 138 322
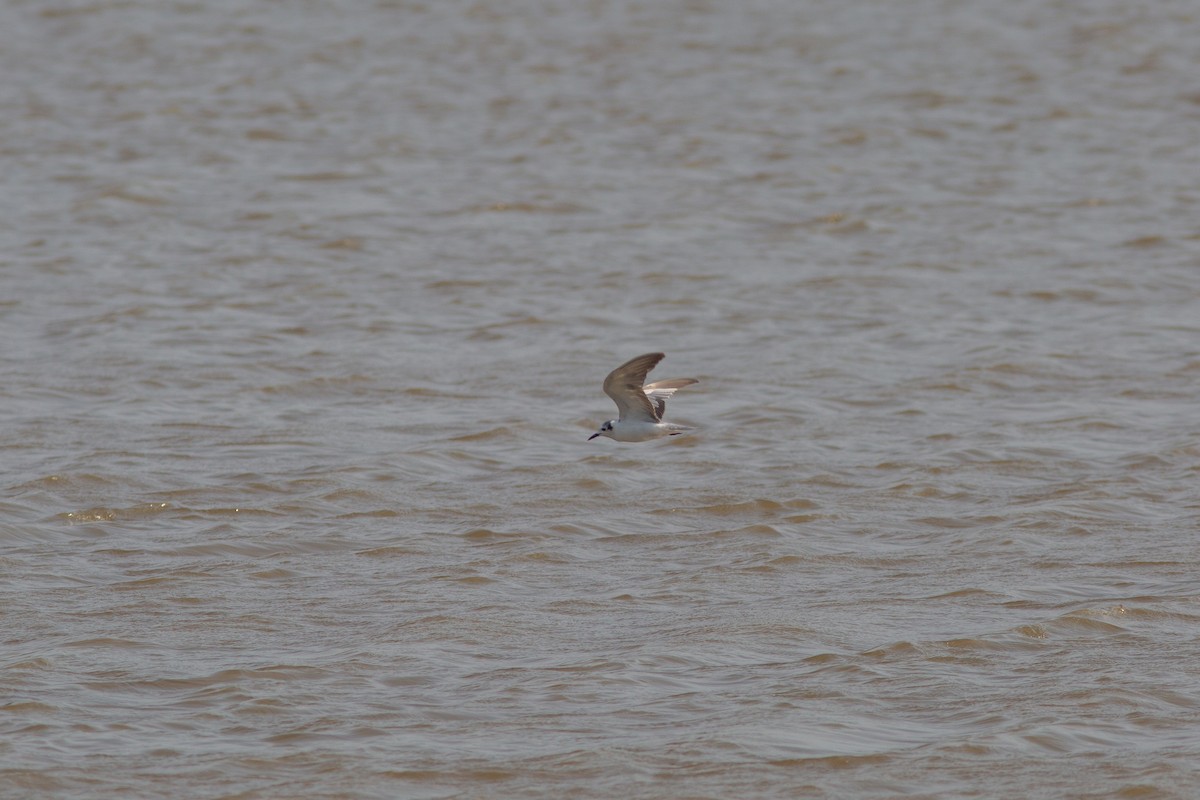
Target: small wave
pixel 107 642
pixel 247 547
pixel 501 432
pixel 105 514
pixel 748 530
pixel 380 513
pixel 28 707
pixel 758 507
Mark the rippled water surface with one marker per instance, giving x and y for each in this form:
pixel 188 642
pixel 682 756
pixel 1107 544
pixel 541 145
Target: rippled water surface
pixel 305 309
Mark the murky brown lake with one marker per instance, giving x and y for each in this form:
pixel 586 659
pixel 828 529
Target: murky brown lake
pixel 305 309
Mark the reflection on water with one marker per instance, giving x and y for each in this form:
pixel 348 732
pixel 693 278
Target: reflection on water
pixel 306 317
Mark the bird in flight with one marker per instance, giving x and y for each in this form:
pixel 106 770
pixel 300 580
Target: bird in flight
pixel 641 407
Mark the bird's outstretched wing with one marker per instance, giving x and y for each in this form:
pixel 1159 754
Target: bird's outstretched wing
pixel 624 386
pixel 660 391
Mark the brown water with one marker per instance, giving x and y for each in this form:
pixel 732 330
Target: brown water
pixel 305 308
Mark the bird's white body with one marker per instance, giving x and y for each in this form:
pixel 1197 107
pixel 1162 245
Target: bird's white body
pixel 641 407
pixel 631 430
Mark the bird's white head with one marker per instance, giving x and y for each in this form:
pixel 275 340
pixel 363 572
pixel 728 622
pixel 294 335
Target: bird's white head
pixel 605 430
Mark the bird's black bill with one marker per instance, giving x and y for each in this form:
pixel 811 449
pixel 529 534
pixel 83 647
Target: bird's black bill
pixel 593 436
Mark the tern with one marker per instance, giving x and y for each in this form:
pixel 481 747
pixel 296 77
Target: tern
pixel 641 407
